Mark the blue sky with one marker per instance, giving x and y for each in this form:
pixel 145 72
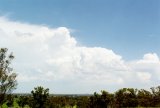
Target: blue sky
pixel 130 28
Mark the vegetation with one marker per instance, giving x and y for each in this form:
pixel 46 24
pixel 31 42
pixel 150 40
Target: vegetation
pixel 102 100
pixel 7 76
pixel 40 98
pixel 125 97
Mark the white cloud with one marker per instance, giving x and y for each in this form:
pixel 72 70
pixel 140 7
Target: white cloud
pixel 51 57
pixel 150 58
pixel 144 76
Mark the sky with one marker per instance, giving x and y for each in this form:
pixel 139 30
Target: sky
pixel 82 46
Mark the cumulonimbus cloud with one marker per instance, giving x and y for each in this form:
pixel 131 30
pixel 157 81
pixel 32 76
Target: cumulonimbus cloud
pixel 51 57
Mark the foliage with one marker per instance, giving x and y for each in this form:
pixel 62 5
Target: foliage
pixel 10 100
pixel 83 102
pixel 102 100
pixel 155 96
pixel 23 101
pixel 144 98
pixel 61 102
pixel 126 97
pixel 40 97
pixel 7 76
pixel 68 102
pixel 4 105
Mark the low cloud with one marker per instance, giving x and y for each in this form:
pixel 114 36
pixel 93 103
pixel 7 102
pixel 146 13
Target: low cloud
pixel 51 57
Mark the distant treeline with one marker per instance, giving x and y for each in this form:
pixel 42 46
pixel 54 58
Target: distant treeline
pixel 125 97
pixel 59 95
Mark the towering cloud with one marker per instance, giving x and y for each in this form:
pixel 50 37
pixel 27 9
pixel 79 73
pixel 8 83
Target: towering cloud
pixel 51 57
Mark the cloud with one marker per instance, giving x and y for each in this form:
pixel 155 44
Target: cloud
pixel 144 76
pixel 52 57
pixel 147 68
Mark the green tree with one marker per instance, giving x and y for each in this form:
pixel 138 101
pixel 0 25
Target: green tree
pixel 83 102
pixel 102 100
pixel 156 96
pixel 40 97
pixel 7 76
pixel 10 100
pixel 126 97
pixel 23 100
pixel 144 98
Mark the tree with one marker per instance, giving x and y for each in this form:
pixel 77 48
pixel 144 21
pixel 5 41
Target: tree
pixel 7 76
pixel 40 97
pixel 126 97
pixel 144 98
pixel 102 100
pixel 23 100
pixel 156 96
pixel 83 102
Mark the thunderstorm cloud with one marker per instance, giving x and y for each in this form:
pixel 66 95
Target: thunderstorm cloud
pixel 51 57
